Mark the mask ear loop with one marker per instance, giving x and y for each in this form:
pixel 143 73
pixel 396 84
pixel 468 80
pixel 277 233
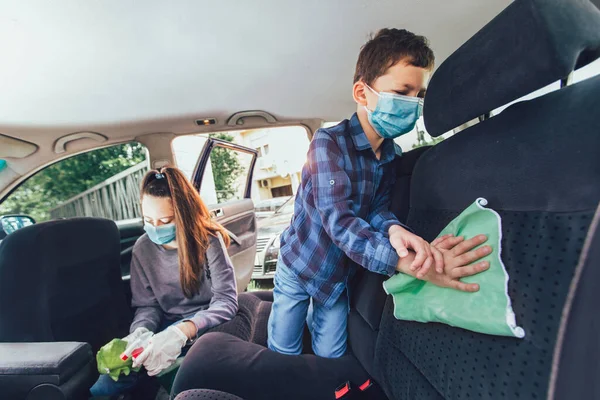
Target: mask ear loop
pixel 376 94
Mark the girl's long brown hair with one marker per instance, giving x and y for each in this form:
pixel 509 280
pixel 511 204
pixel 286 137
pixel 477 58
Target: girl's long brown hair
pixel 193 223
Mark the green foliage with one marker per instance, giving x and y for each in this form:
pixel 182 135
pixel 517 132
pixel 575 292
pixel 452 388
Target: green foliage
pixel 422 139
pixel 226 169
pixel 67 178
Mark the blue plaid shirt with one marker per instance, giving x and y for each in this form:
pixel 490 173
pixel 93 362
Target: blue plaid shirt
pixel 341 212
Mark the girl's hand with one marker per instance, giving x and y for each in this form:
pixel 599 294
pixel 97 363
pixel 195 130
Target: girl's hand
pixel 135 334
pixel 459 261
pixel 459 257
pixel 189 329
pixel 162 351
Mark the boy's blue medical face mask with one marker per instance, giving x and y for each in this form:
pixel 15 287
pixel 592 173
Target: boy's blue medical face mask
pixel 394 114
pixel 162 234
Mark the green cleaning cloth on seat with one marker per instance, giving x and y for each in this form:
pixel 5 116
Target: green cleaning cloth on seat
pixel 487 311
pixel 109 360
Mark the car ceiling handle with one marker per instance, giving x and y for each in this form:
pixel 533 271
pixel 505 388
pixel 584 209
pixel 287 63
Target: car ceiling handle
pixel 61 144
pixel 238 118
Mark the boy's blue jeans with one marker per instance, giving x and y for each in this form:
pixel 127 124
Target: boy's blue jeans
pixel 292 307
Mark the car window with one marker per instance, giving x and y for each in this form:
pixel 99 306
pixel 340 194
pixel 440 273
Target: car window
pixel 100 183
pixel 277 173
pixel 228 174
pixel 288 207
pixel 416 138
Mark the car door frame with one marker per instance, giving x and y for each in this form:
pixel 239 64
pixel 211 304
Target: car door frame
pixel 217 209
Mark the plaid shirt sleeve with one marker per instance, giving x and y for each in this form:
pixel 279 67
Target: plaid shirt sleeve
pixel 380 217
pixel 332 196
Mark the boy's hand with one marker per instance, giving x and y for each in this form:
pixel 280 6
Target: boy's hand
pixel 425 255
pixel 459 258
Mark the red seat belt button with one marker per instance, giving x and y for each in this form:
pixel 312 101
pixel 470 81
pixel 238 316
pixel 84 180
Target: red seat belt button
pixel 342 391
pixel 365 385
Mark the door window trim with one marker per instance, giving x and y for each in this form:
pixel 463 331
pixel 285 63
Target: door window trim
pixel 210 144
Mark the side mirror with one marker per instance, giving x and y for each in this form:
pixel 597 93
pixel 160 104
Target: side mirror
pixel 10 223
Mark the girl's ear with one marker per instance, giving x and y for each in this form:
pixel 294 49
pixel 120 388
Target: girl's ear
pixel 359 93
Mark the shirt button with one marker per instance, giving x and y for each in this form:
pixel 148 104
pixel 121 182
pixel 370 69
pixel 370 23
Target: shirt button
pixel 332 182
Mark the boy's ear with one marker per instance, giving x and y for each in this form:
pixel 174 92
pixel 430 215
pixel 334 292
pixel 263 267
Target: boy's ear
pixel 359 93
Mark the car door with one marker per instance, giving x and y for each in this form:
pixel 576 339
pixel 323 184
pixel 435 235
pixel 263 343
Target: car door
pixel 223 176
pixel 130 231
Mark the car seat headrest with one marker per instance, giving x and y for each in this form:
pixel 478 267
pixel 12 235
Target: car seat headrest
pixel 529 45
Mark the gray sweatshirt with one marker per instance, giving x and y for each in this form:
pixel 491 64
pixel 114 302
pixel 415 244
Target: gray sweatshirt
pixel 157 294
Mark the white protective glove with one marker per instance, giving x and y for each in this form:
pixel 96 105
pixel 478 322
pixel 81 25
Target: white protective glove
pixel 135 334
pixel 162 351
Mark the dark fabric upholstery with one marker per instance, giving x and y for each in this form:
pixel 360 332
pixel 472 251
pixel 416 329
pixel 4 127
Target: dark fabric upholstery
pixel 500 63
pixel 538 166
pixel 264 295
pixel 61 281
pixel 457 362
pixel 250 322
pixel 219 361
pixel 367 297
pixel 537 155
pixel 49 371
pixel 578 352
pixel 404 166
pixel 202 394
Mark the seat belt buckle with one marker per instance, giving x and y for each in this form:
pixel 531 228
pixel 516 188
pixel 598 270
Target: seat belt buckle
pixel 365 386
pixel 343 391
pixel 348 391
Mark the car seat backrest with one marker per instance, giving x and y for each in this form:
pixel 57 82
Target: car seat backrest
pixel 61 281
pixel 367 297
pixel 537 164
pixel 575 365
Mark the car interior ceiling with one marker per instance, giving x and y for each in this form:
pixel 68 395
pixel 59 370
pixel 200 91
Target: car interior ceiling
pixel 534 163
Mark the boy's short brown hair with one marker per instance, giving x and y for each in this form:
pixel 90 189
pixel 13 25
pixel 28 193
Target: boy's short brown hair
pixel 387 48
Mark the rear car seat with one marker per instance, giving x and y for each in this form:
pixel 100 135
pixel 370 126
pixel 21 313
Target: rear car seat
pixel 575 364
pixel 367 298
pixel 536 163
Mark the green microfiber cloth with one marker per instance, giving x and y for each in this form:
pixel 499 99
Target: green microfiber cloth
pixel 487 311
pixel 109 360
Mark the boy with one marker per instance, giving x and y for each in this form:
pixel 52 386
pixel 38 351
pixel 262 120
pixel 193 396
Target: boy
pixel 341 211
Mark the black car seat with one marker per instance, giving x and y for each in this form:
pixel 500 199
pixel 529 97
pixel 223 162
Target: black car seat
pixel 368 298
pixel 577 350
pixel 61 281
pixel 537 163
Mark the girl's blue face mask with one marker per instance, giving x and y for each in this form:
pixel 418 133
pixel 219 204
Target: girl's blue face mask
pixel 162 234
pixel 394 115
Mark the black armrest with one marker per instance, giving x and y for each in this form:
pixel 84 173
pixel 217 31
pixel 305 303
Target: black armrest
pixel 55 370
